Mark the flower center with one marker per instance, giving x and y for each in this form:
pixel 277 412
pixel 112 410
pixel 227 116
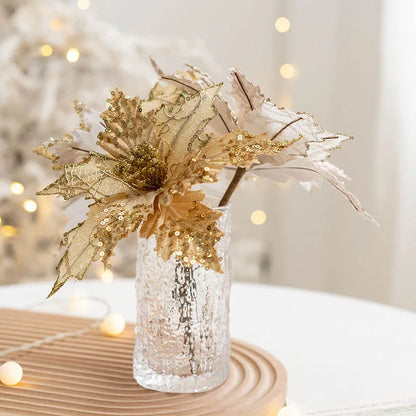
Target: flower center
pixel 142 168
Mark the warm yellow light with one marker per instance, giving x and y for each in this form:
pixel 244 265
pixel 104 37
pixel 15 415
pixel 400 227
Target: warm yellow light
pixel 282 24
pixel 83 4
pixel 46 50
pixel 287 71
pixel 8 231
pixel 0 220
pixel 258 217
pixel 113 324
pixel 289 411
pixel 17 188
pixel 11 373
pixel 56 24
pixel 107 276
pixel 72 55
pixel 30 205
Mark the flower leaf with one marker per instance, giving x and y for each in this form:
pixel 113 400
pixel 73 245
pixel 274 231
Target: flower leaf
pixel 180 126
pixel 108 221
pixel 94 179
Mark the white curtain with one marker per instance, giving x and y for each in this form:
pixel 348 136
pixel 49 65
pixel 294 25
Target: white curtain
pixel 398 143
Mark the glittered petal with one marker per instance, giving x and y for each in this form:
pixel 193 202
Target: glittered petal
pixel 94 239
pixel 94 179
pixel 187 229
pixel 126 125
pixel 238 148
pixel 242 149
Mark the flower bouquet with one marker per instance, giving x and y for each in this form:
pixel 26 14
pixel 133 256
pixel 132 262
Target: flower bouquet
pixel 146 164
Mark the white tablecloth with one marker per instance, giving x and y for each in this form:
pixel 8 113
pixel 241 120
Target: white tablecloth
pixel 337 350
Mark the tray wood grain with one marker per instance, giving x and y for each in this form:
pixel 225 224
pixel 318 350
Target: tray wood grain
pixel 91 375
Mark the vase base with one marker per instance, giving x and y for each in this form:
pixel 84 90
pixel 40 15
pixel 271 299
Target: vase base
pixel 169 383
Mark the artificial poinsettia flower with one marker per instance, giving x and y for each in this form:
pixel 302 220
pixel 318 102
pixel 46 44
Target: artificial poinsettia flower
pixel 305 159
pixel 157 150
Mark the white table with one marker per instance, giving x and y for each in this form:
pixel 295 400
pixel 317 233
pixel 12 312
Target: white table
pixel 337 350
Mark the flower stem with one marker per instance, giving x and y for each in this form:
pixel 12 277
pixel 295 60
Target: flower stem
pixel 239 173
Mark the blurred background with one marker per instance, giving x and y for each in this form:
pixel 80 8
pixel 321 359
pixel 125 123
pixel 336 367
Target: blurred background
pixel 351 64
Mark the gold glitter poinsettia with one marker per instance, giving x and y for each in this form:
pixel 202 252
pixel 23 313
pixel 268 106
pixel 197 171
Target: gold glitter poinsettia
pixel 156 151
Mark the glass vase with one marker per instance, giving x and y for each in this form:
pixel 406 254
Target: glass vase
pixel 182 329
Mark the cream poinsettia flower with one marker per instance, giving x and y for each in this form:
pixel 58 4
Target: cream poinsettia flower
pixel 156 151
pixel 305 160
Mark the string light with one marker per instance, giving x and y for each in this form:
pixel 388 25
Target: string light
pixel 17 188
pixel 258 217
pixel 46 50
pixel 287 71
pixel 83 4
pixel 72 55
pixel 30 205
pixel 56 24
pixel 107 276
pixel 11 373
pixel 282 24
pixel 8 231
pixel 113 324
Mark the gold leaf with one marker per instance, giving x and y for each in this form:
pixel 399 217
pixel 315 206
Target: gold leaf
pixel 187 229
pixel 108 221
pixel 192 81
pixel 94 178
pixel 182 124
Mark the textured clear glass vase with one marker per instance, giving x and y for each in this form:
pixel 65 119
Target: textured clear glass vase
pixel 182 329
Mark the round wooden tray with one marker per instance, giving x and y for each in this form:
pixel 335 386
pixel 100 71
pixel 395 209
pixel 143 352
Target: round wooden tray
pixel 92 375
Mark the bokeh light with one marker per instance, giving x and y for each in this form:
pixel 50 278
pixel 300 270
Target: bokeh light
pixel 17 188
pixel 83 4
pixel 8 231
pixel 72 55
pixel 287 71
pixel 258 217
pixel 282 24
pixel 46 50
pixel 30 206
pixel 107 276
